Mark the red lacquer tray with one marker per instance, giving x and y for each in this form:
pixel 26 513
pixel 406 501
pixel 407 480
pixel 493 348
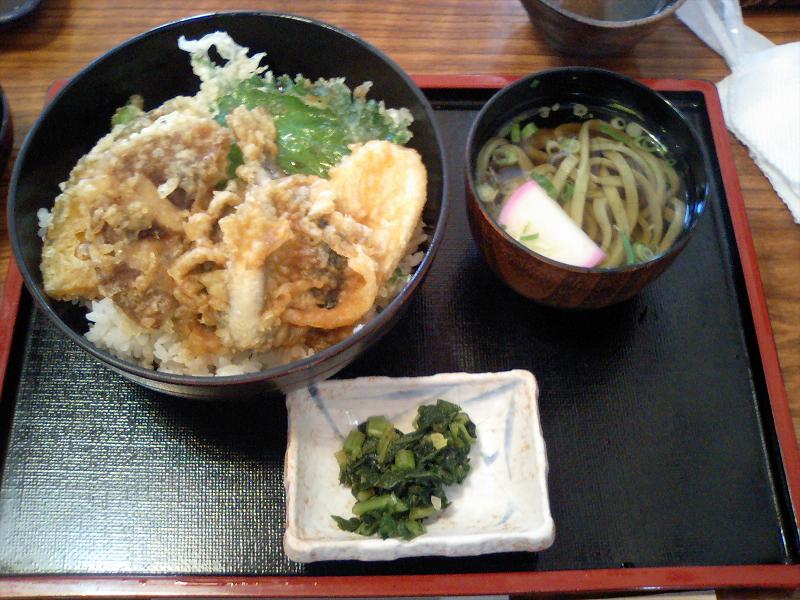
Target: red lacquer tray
pixel 508 575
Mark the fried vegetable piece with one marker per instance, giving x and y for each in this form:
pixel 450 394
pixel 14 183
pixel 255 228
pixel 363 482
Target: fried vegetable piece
pixel 383 186
pixel 398 478
pixel 317 121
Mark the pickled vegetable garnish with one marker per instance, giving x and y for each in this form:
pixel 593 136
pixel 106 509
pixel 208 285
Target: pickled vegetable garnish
pixel 398 479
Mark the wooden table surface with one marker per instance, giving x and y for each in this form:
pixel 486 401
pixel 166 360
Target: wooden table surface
pixel 441 37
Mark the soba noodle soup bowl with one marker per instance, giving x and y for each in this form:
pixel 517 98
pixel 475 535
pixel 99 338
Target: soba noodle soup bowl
pixel 589 146
pixel 153 66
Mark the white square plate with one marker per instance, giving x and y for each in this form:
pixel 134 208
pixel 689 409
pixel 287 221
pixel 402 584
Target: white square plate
pixel 502 505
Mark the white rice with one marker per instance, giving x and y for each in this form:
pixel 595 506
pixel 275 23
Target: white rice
pixel 112 330
pixel 45 218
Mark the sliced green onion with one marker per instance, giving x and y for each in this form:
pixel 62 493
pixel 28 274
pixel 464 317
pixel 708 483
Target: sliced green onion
pixel 486 192
pixel 527 237
pixel 617 135
pixel 642 252
pixel 504 157
pixel 535 83
pixel 580 110
pixel 656 146
pixel 567 191
pixel 545 183
pixel 626 243
pixel 556 106
pixel 634 130
pixel 570 145
pixel 552 147
pixel 646 143
pixel 625 109
pixel 529 130
pixel 515 132
pixel 617 123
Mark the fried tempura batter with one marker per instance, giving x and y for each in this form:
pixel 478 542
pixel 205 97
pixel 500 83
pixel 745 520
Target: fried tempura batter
pixel 259 262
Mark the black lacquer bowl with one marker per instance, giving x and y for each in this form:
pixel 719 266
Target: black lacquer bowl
pixel 153 66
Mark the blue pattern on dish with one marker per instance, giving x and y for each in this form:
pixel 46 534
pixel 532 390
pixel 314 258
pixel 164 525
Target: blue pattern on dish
pixel 509 435
pixel 490 458
pixel 508 515
pixel 491 393
pixel 435 391
pixel 314 391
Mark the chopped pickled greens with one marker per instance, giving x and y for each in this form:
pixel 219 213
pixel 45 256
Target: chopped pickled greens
pixel 316 121
pixel 398 478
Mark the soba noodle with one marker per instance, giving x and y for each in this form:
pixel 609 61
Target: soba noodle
pixel 612 178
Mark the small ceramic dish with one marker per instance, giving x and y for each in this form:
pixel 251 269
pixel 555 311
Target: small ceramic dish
pixel 502 506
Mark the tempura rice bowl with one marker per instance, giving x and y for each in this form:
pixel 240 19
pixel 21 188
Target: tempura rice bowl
pixel 79 115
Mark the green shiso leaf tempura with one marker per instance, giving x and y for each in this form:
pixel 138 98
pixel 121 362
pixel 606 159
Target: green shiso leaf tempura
pixel 315 121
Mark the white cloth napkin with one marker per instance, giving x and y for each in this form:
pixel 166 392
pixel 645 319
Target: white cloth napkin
pixel 761 97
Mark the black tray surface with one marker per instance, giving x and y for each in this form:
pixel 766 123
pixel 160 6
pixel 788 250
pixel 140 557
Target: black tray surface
pixel 659 435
